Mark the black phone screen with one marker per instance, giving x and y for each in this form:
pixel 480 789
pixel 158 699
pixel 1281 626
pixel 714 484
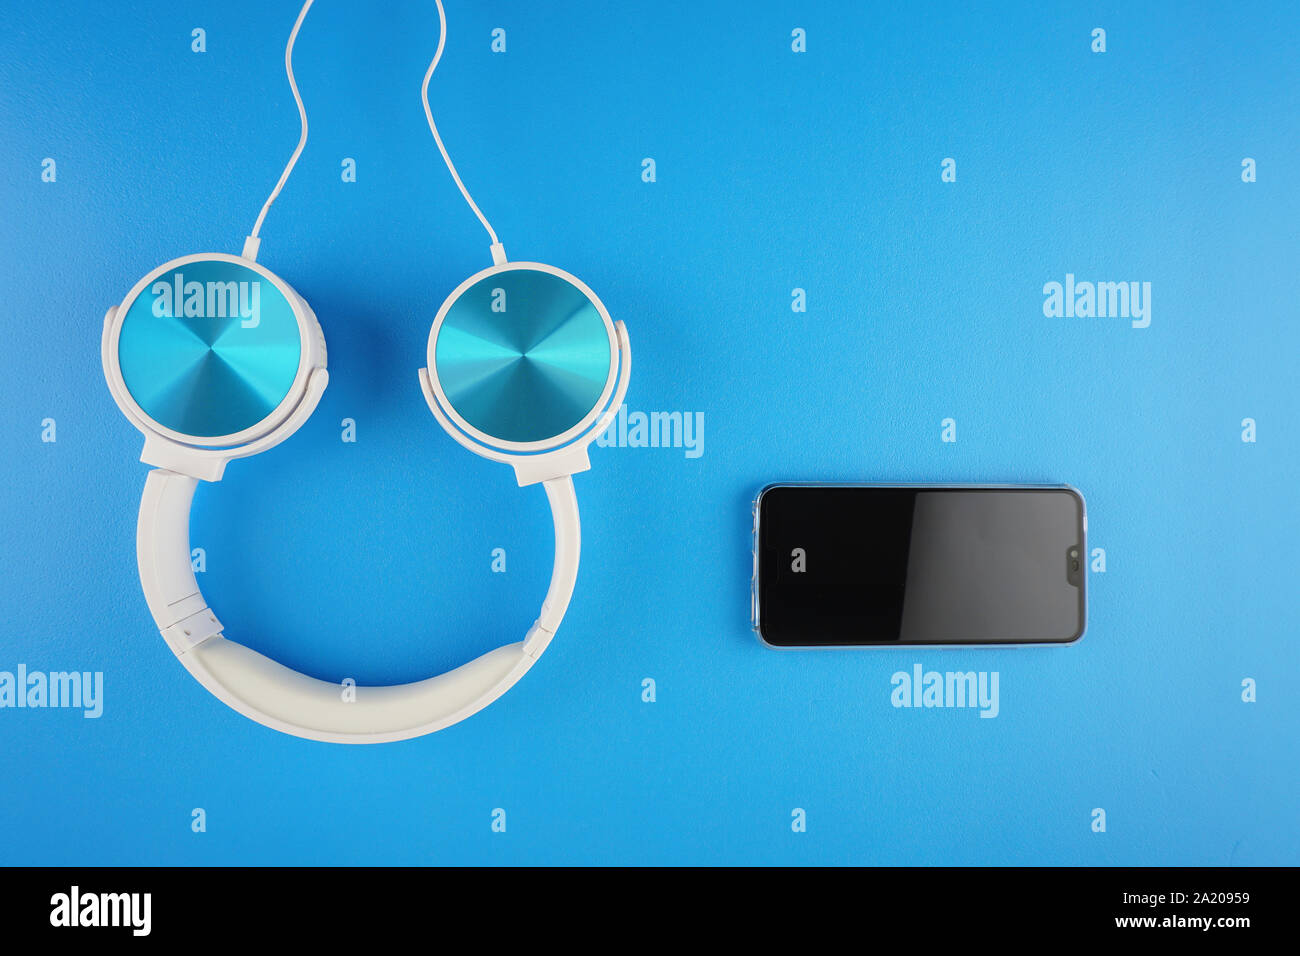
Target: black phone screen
pixel 861 564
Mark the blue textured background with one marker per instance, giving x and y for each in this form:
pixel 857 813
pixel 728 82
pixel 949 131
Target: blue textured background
pixel 775 170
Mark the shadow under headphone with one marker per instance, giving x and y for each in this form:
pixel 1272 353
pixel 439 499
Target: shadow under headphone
pixel 214 357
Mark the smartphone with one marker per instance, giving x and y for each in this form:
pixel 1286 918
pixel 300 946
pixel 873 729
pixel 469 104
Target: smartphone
pixel 871 565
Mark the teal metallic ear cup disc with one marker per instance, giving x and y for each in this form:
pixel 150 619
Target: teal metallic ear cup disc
pixel 209 348
pixel 523 355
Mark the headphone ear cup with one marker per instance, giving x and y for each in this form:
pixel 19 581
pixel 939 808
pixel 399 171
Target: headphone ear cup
pixel 523 357
pixel 211 350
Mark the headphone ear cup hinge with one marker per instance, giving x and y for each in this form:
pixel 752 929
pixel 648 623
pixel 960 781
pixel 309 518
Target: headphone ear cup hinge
pixel 194 462
pixel 569 460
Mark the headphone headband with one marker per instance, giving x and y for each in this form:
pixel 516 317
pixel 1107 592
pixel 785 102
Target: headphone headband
pixel 291 702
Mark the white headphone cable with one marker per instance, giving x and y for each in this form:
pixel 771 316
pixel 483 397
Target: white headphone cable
pixel 498 251
pixel 252 242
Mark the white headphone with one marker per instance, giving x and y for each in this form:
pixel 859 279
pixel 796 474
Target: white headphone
pixel 214 357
